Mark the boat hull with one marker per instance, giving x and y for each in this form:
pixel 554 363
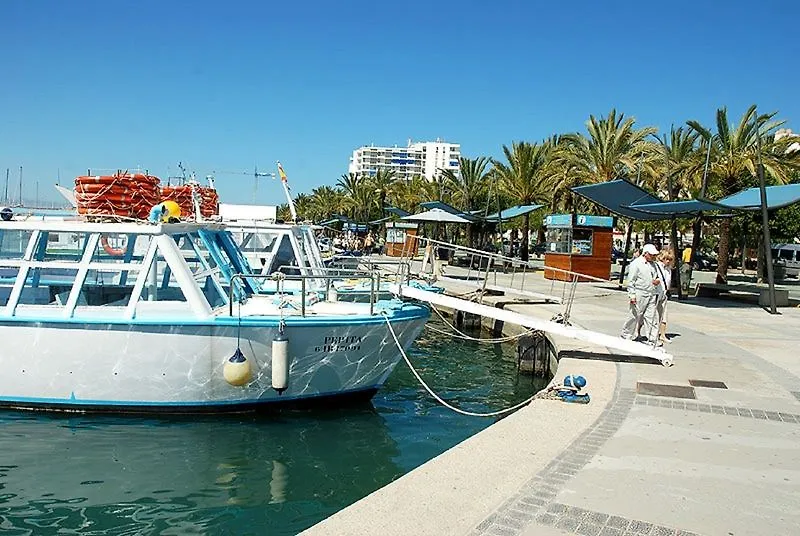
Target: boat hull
pixel 130 367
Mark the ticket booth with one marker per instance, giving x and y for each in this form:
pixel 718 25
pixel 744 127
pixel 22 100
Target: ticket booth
pixel 401 239
pixel 578 243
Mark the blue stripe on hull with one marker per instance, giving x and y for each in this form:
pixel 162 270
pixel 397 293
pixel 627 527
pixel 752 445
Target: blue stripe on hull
pixel 226 406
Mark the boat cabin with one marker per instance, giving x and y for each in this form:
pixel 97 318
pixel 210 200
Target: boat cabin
pixel 132 270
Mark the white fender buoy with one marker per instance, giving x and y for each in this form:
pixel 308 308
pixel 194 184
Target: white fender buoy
pixel 237 369
pixel 280 363
pixel 332 294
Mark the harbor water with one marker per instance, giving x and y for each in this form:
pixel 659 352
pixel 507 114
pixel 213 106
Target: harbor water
pixel 276 473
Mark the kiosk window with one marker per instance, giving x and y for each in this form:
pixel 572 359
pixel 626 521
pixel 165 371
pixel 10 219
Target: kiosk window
pixel 581 241
pixel 558 240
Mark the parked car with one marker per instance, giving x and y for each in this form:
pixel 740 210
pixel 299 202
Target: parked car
pixel 539 249
pixel 617 255
pixel 705 263
pixel 788 256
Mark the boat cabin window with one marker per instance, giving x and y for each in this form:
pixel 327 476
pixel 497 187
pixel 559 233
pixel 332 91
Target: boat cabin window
pixel 13 243
pixel 284 259
pixel 204 268
pixel 121 248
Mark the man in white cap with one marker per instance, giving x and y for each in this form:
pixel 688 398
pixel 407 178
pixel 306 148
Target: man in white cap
pixel 644 289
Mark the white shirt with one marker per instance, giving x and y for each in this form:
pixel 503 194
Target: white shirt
pixel 640 278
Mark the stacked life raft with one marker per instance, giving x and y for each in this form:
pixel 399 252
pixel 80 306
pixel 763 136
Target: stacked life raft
pixel 133 195
pixel 128 195
pixel 209 200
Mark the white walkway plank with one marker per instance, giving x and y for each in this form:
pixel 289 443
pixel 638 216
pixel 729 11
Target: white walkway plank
pixel 555 328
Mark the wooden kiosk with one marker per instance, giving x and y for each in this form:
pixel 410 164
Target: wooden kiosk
pixel 578 243
pixel 401 239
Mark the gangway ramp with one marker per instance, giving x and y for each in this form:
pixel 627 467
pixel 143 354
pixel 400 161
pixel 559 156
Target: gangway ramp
pixel 585 335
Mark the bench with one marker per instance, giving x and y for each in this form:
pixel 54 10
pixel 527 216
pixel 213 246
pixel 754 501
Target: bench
pixel 713 290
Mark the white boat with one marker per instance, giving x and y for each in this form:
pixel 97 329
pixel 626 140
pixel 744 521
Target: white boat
pixel 138 317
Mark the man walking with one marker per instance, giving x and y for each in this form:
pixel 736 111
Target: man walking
pixel 644 289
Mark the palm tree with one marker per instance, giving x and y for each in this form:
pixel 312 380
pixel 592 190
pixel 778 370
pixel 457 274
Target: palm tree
pixel 382 184
pixel 681 165
pixel 734 157
pixel 526 178
pixel 468 186
pixel 612 150
pixel 326 201
pixel 350 184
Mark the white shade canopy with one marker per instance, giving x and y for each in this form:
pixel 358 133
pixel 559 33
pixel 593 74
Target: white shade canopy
pixel 436 215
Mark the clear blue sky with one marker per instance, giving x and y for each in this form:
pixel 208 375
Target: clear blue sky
pixel 227 85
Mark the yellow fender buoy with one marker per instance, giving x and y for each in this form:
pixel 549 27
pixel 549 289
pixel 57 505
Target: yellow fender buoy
pixel 237 369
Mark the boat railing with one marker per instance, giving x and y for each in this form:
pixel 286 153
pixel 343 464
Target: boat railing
pixel 280 278
pixel 402 273
pixel 484 267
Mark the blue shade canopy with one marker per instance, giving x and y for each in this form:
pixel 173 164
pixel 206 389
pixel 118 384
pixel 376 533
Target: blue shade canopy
pixel 750 199
pixel 513 212
pixel 618 195
pixel 336 218
pixel 447 208
pixel 679 209
pixel 396 211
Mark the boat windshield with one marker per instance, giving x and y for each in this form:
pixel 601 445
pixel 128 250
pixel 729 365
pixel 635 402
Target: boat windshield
pixel 57 273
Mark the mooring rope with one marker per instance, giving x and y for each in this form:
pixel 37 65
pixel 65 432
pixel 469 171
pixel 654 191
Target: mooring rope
pixel 461 335
pixel 540 394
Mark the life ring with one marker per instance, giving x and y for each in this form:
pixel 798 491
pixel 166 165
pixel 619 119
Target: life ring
pixel 114 252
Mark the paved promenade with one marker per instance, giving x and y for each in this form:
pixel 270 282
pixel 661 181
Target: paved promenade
pixel 651 454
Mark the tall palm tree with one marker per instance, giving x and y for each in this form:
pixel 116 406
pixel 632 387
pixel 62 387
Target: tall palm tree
pixel 612 150
pixel 680 166
pixel 326 201
pixel 734 157
pixel 526 177
pixel 469 186
pixel 350 184
pixel 382 184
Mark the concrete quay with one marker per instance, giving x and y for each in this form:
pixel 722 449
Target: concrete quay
pixel 651 454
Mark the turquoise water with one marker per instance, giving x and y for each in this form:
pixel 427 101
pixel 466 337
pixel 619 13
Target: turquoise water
pixel 257 474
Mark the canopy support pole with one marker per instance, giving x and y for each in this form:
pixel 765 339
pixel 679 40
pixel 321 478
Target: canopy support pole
pixel 765 223
pixel 627 250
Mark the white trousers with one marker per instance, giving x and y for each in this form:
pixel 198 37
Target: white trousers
pixel 643 313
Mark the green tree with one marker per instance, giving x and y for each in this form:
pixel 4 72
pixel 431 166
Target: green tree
pixel 382 184
pixel 734 157
pixel 612 150
pixel 526 178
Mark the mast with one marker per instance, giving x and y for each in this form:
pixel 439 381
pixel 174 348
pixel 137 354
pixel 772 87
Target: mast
pixel 285 184
pixel 20 185
pixel 5 193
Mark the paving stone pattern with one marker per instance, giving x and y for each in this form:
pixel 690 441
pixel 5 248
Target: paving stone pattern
pixel 535 504
pixel 735 411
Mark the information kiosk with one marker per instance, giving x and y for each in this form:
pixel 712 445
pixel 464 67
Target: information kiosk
pixel 578 243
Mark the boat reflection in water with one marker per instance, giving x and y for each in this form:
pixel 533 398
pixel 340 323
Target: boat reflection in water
pixel 269 474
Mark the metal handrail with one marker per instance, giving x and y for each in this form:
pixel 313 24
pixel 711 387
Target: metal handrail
pixel 279 277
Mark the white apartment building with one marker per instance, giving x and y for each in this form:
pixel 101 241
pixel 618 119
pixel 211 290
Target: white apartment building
pixel 426 159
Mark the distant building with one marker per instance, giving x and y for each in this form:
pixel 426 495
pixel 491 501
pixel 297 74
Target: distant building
pixel 425 159
pixel 784 133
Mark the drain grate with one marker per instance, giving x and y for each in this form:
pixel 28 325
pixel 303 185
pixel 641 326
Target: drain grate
pixel 712 384
pixel 660 389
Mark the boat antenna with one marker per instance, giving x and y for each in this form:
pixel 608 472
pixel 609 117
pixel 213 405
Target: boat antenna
pixel 5 194
pixel 285 183
pixel 256 175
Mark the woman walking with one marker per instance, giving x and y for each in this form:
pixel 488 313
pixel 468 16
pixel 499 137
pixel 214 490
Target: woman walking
pixel 664 264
